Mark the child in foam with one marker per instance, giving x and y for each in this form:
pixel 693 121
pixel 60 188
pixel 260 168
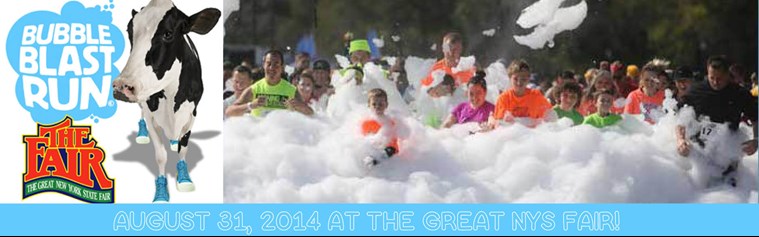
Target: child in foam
pixel 568 95
pixel 383 130
pixel 441 98
pixel 601 80
pixel 648 99
pixel 477 109
pixel 604 117
pixel 520 103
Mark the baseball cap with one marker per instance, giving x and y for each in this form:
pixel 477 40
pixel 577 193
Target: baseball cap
pixel 683 72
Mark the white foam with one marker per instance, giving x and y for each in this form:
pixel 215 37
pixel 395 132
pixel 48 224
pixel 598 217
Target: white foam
pixel 351 96
pixel 342 61
pixel 378 42
pixel 391 60
pixel 289 69
pixel 417 69
pixel 549 20
pixel 489 33
pixel 289 157
pixel 465 63
pixel 497 80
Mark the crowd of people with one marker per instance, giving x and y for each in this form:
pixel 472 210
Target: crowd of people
pixel 601 97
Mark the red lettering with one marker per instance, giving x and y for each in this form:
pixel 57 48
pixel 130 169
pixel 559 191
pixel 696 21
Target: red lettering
pixel 34 149
pixel 76 173
pixel 92 159
pixel 83 160
pixel 80 134
pixel 43 131
pixel 53 159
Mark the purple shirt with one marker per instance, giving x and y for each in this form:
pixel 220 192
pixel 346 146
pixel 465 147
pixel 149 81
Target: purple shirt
pixel 464 113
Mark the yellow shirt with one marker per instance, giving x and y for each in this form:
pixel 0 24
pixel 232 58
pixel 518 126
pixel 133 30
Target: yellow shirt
pixel 275 95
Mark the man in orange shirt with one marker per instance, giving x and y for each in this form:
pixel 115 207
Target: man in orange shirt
pixel 452 47
pixel 520 101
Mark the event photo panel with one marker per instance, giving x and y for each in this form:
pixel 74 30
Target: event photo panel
pixel 112 101
pixel 495 101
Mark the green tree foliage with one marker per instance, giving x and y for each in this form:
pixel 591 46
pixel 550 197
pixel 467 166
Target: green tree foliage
pixel 683 31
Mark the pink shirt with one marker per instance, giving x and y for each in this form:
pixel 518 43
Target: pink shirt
pixel 464 112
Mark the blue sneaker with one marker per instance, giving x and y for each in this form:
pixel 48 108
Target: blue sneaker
pixel 161 192
pixel 142 134
pixel 174 145
pixel 184 183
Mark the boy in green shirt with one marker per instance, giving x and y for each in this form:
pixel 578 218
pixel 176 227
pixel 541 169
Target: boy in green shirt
pixel 604 117
pixel 568 94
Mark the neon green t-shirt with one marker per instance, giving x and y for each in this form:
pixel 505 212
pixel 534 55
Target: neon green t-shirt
pixel 597 121
pixel 275 95
pixel 575 116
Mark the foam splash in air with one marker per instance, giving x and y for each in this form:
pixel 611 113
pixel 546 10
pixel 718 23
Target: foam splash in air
pixel 418 68
pixel 465 63
pixel 378 42
pixel 489 33
pixel 549 20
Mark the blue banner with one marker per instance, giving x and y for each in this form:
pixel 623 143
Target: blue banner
pixel 379 219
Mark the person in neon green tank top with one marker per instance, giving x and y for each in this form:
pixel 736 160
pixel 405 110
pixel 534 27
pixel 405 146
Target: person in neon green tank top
pixel 604 117
pixel 268 94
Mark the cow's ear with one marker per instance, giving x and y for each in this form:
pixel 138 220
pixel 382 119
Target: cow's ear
pixel 134 12
pixel 203 21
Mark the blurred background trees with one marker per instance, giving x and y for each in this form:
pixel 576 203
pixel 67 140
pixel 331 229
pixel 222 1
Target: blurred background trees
pixel 685 32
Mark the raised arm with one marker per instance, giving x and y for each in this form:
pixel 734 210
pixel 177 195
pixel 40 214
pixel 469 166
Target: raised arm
pixel 240 106
pixel 683 145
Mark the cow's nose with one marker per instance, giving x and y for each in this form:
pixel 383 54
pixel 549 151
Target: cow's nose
pixel 121 86
pixel 122 91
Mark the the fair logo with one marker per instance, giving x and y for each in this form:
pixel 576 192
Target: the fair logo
pixel 66 159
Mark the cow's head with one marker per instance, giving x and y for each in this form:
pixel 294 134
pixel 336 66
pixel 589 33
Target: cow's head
pixel 160 47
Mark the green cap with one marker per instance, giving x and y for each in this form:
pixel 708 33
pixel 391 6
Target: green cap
pixel 359 45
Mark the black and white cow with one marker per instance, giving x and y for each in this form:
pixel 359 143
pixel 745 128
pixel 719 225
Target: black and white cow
pixel 163 75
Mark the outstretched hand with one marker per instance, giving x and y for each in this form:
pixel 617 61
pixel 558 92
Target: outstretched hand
pixel 683 147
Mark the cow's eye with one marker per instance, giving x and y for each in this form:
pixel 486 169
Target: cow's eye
pixel 168 36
